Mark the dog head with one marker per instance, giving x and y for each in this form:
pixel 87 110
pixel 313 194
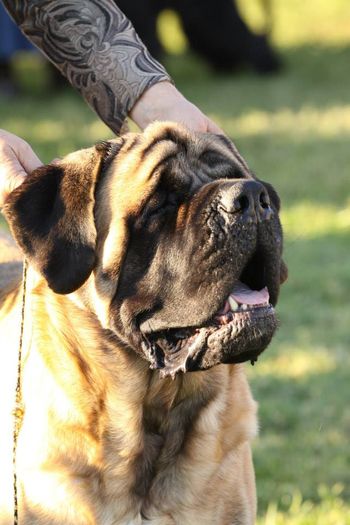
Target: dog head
pixel 167 237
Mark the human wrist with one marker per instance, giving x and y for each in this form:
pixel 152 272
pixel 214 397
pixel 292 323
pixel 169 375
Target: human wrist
pixel 153 103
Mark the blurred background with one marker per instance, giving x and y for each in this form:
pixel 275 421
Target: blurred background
pixel 288 112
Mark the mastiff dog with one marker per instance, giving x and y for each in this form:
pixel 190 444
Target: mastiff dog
pixel 154 265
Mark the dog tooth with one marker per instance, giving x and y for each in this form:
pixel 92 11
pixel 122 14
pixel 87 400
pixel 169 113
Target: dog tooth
pixel 244 307
pixel 233 304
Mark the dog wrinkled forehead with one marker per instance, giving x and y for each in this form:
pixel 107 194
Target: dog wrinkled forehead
pixel 135 162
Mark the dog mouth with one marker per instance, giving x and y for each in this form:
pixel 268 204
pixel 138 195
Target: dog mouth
pixel 238 332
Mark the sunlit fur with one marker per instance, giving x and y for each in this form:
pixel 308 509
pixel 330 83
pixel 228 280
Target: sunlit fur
pixel 104 440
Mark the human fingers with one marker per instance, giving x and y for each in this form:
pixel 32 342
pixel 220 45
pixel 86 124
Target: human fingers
pixel 11 175
pixel 213 128
pixel 21 150
pixel 17 159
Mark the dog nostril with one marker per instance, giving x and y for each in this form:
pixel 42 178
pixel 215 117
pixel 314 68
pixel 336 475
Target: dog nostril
pixel 264 200
pixel 248 198
pixel 242 203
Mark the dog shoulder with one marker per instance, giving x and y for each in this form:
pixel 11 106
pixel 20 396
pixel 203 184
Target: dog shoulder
pixel 10 271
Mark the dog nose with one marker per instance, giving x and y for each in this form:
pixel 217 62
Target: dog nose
pixel 248 198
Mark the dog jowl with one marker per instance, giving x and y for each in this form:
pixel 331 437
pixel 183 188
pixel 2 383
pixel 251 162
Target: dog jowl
pixel 182 243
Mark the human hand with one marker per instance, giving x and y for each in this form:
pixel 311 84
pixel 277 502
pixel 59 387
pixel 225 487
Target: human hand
pixel 163 101
pixel 17 159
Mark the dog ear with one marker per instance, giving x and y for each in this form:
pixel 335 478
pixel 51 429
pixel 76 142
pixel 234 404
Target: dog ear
pixel 51 216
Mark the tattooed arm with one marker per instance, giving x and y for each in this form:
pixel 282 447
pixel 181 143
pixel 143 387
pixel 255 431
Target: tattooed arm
pixel 95 46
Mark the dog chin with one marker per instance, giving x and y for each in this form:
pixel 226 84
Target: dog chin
pixel 238 333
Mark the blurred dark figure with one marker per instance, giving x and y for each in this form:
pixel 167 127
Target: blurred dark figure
pixel 11 41
pixel 214 29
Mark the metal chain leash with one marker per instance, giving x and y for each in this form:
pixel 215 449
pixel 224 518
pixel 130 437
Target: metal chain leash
pixel 18 411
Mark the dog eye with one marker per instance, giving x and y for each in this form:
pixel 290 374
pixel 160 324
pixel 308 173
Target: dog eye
pixel 159 204
pixel 221 166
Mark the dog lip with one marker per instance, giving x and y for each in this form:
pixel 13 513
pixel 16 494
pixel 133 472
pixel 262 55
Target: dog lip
pixel 192 349
pixel 148 327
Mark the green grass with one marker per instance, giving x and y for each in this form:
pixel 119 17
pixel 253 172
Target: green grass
pixel 294 130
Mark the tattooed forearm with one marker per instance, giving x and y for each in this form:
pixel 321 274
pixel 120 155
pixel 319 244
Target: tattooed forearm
pixel 95 46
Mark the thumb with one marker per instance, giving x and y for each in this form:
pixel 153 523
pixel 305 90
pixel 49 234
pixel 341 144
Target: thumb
pixel 213 128
pixel 11 175
pixel 27 158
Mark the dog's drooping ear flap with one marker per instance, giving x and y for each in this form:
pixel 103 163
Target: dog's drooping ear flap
pixel 51 216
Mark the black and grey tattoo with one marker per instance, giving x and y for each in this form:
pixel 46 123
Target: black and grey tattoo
pixel 96 47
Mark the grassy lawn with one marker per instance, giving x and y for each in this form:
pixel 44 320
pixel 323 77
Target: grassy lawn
pixel 294 130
